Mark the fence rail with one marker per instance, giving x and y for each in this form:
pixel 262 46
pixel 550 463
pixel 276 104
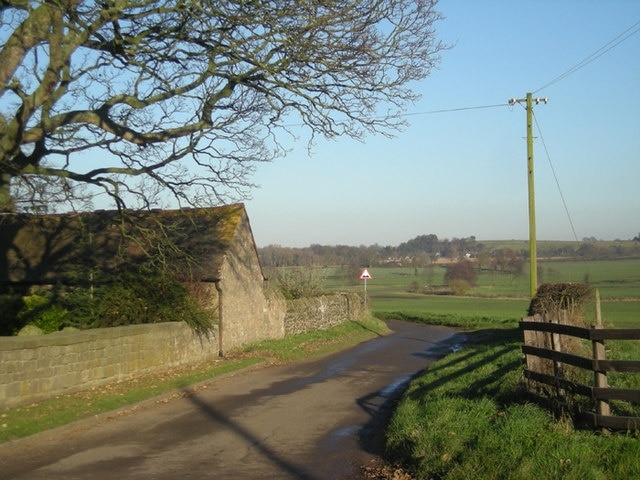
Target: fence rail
pixel 546 355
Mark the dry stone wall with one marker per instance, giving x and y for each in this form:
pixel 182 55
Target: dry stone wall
pixel 324 311
pixel 40 367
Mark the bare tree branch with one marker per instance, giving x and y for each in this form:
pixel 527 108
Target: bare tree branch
pixel 188 95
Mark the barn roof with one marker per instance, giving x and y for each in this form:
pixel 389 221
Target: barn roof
pixel 40 249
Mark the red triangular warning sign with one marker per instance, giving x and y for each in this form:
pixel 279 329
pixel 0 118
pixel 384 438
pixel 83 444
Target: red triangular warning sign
pixel 365 275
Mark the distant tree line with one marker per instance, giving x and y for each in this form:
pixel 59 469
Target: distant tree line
pixel 421 251
pixel 425 250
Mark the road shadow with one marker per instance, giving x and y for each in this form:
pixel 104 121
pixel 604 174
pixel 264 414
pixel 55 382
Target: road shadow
pixel 372 330
pixel 289 469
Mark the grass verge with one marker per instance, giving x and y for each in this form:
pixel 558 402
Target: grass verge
pixel 468 416
pixel 37 417
pixel 454 320
pixel 319 342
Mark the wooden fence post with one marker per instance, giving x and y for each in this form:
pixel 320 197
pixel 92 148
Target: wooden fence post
pixel 556 345
pixel 599 353
pixel 534 339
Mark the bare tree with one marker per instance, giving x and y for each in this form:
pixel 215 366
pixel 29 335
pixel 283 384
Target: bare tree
pixel 134 98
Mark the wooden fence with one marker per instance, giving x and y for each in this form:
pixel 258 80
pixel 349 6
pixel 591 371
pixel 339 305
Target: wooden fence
pixel 545 341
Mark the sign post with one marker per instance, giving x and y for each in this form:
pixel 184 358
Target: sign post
pixel 365 275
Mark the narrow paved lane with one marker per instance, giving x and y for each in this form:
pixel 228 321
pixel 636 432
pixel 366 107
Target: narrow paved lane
pixel 315 420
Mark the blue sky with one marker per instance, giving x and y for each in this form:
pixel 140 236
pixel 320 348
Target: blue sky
pixel 463 173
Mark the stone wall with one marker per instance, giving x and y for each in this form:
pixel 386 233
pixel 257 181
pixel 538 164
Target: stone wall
pixel 39 367
pixel 249 314
pixel 324 311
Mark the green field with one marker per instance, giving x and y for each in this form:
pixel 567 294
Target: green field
pixel 498 296
pixel 467 416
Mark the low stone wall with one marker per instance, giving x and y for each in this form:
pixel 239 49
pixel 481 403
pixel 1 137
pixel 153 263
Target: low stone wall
pixel 324 311
pixel 39 367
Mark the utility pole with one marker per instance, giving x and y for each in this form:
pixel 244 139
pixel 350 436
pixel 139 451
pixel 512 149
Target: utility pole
pixel 533 255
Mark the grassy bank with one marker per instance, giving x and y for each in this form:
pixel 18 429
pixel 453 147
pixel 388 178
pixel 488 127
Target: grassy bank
pixel 468 417
pixel 30 419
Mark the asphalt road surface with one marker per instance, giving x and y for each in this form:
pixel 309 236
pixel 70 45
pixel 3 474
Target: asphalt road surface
pixel 315 420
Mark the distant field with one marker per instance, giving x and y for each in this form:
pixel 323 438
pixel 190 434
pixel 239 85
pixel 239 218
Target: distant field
pixel 500 296
pixel 497 309
pixel 567 245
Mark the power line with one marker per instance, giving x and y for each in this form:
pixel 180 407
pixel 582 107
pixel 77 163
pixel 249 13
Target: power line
pixel 628 33
pixel 555 177
pixel 564 203
pixel 428 112
pixel 459 109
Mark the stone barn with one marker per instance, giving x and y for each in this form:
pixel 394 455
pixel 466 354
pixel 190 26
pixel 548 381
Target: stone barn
pixel 211 249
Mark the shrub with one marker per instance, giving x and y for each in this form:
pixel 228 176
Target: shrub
pixel 459 286
pixel 461 275
pixel 551 298
pixel 40 311
pixel 51 319
pixel 127 299
pixel 299 283
pixel 134 298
